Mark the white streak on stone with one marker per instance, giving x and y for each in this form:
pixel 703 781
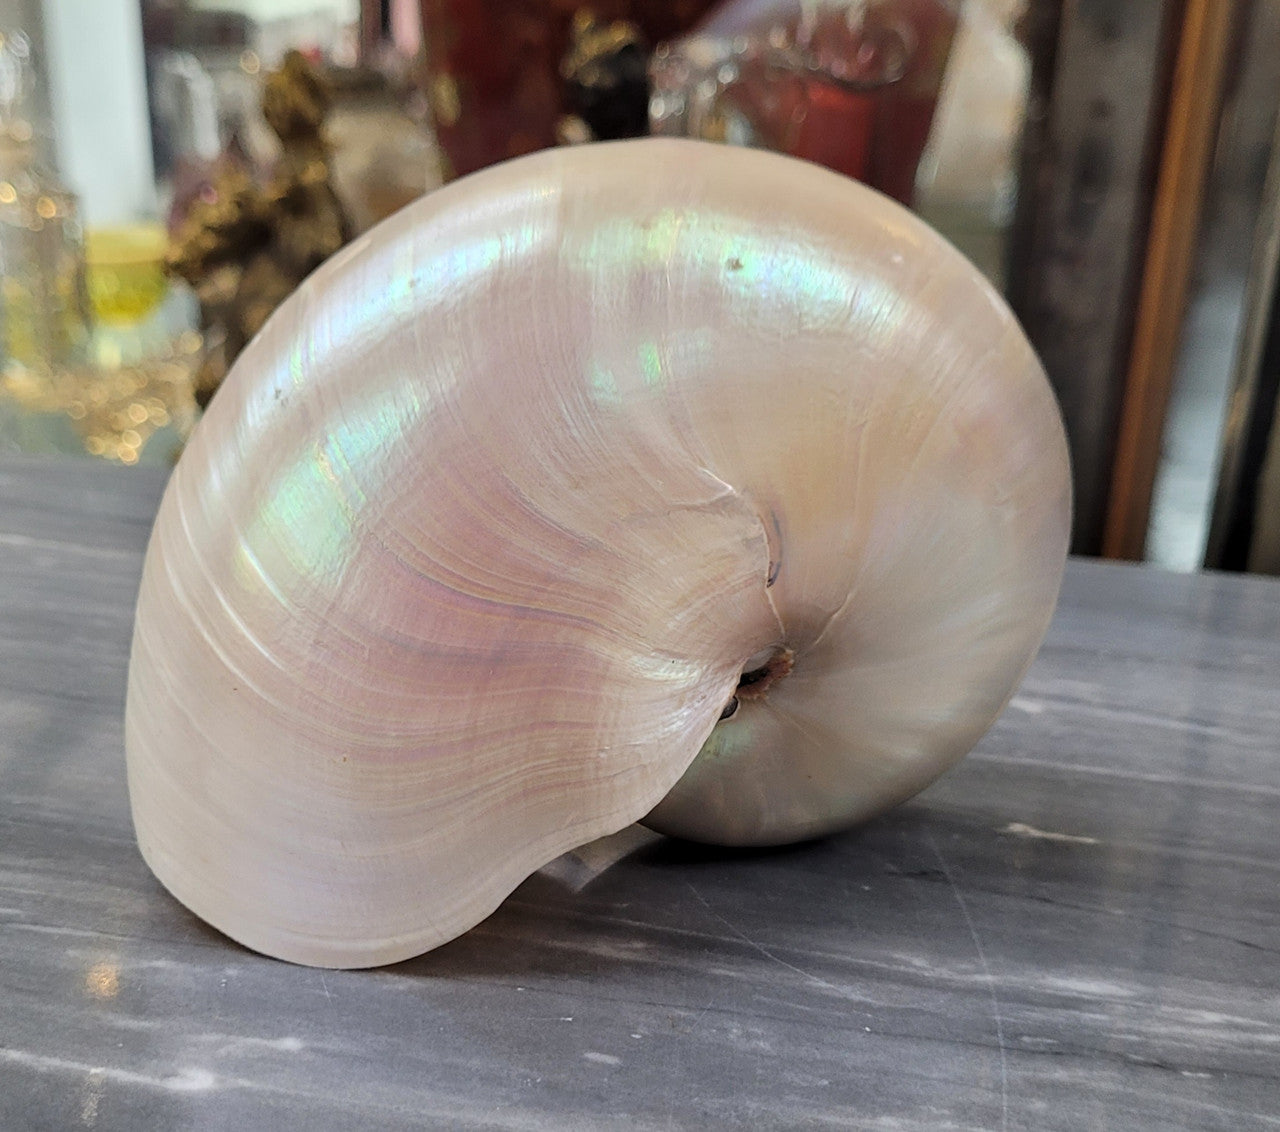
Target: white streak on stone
pixel 187 1080
pixel 1020 829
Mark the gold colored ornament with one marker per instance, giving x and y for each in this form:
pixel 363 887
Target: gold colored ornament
pixel 115 412
pixel 247 247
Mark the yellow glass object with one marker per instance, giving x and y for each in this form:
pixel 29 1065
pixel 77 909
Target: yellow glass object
pixel 125 275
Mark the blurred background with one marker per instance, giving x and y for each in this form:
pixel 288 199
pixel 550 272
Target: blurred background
pixel 171 169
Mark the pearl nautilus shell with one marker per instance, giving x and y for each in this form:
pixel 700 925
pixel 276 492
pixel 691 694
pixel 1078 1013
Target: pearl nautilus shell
pixel 653 480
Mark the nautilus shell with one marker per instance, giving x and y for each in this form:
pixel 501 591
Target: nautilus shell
pixel 653 480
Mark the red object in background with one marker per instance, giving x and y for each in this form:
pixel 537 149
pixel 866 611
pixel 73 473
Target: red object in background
pixel 904 111
pixel 496 91
pixel 837 131
pixel 867 94
pixel 495 85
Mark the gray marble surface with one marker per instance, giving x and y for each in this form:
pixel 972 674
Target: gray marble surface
pixel 1077 928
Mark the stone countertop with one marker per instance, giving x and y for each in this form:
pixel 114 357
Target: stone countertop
pixel 1079 927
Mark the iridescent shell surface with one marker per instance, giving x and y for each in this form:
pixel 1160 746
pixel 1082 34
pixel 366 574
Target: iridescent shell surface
pixel 464 564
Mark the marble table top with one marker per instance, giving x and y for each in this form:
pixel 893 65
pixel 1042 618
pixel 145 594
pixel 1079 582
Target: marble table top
pixel 1079 927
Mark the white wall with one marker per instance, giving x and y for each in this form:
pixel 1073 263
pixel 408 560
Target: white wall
pixel 99 98
pixel 345 11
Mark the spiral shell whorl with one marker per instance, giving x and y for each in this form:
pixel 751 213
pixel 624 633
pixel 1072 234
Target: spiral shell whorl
pixel 465 560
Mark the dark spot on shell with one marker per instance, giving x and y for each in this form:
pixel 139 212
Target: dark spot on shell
pixel 753 677
pixel 755 682
pixel 734 264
